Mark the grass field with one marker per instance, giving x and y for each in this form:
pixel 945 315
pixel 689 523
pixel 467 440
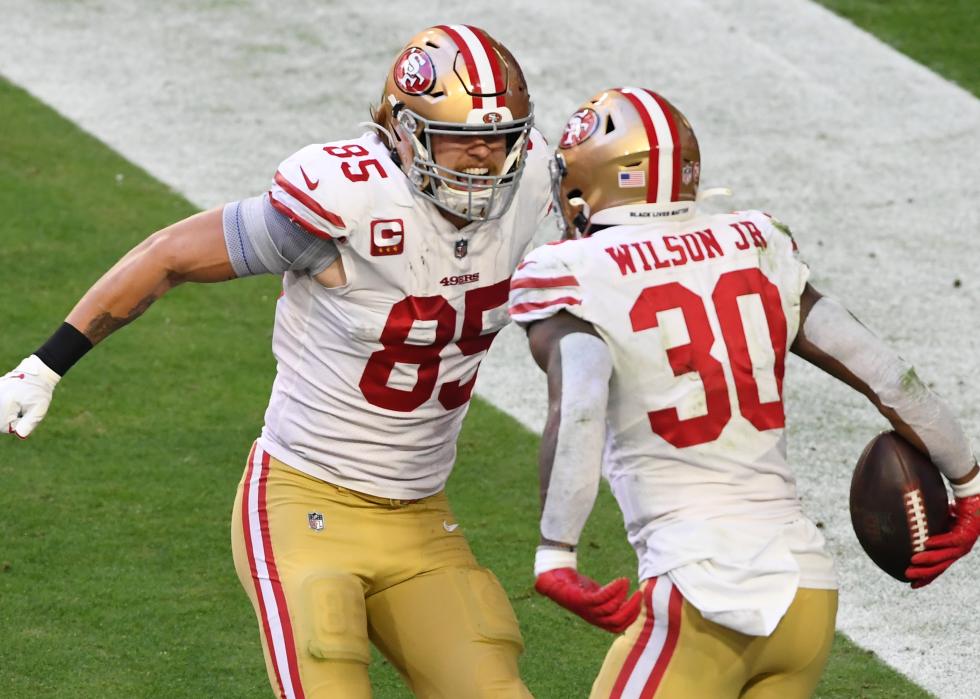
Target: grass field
pixel 115 571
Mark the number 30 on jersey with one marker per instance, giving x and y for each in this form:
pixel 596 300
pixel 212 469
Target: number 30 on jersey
pixel 695 355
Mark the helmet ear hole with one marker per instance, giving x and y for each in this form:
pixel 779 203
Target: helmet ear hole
pixel 610 125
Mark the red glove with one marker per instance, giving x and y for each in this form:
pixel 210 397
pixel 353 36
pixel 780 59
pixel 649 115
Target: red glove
pixel 942 550
pixel 606 607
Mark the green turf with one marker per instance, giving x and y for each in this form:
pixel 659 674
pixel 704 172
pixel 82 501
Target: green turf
pixel 945 36
pixel 115 571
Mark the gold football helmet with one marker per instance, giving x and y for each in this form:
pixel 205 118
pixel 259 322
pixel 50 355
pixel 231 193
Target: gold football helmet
pixel 456 79
pixel 626 156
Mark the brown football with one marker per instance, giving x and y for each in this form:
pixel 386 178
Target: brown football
pixel 898 499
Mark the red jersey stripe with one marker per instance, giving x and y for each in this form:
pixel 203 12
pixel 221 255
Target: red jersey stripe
pixel 308 201
pixel 543 282
pixel 675 138
pixel 538 305
pixel 287 212
pixel 652 169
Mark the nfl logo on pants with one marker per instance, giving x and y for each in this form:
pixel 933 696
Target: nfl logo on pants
pixel 316 521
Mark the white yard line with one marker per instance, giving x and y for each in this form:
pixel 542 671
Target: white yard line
pixel 870 157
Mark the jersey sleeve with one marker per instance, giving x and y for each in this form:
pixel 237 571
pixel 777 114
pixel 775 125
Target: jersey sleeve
pixel 304 192
pixel 542 285
pixel 783 263
pixel 783 266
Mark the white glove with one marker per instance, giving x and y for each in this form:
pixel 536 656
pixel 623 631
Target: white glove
pixel 25 394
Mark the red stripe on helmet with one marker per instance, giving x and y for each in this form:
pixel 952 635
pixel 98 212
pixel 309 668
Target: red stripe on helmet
pixel 672 123
pixel 498 81
pixel 652 169
pixel 464 49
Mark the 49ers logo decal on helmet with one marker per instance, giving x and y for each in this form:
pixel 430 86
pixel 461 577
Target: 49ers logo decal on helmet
pixel 414 72
pixel 580 126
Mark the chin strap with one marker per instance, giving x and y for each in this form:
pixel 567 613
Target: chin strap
pixel 581 220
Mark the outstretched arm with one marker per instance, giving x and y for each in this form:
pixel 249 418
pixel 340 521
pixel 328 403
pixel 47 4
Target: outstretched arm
pixel 244 238
pixel 579 367
pixel 835 341
pixel 190 250
pixel 839 344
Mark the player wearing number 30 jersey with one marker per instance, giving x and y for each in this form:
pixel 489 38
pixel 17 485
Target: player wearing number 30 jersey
pixel 396 250
pixel 664 333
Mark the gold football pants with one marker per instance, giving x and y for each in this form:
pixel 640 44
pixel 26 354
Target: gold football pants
pixel 672 652
pixel 329 570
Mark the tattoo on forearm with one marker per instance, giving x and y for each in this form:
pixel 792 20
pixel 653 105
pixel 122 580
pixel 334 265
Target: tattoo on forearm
pixel 105 324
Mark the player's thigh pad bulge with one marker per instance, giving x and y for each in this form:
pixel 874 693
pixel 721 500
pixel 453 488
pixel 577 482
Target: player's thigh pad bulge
pixel 333 618
pixel 487 608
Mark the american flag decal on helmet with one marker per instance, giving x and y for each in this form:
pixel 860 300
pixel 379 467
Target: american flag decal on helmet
pixel 486 77
pixel 665 148
pixel 633 178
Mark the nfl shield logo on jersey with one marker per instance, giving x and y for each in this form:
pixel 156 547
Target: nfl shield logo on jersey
pixel 461 245
pixel 316 521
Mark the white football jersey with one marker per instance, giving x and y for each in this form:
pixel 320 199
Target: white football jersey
pixel 374 377
pixel 698 316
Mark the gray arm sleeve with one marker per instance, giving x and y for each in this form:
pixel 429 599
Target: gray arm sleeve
pixel 260 240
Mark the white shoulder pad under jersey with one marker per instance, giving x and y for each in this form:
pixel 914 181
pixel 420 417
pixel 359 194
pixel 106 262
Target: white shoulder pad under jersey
pixel 327 188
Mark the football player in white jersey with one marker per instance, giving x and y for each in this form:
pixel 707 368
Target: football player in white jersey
pixel 664 334
pixel 396 250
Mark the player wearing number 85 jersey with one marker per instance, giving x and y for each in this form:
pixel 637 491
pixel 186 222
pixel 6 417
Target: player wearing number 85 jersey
pixel 664 333
pixel 396 250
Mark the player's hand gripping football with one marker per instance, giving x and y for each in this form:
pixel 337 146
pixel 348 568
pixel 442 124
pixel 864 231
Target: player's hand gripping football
pixel 25 394
pixel 942 550
pixel 609 606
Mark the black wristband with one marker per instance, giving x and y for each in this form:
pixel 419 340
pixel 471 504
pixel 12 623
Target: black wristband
pixel 63 349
